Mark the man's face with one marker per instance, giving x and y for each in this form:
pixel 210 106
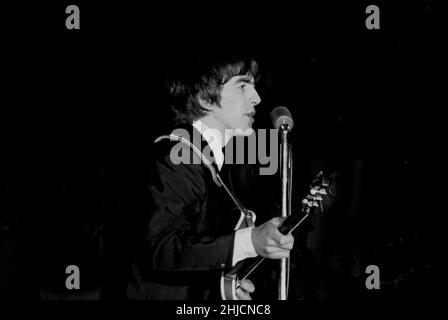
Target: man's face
pixel 238 101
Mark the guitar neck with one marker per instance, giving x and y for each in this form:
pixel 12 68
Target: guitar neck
pixel 293 221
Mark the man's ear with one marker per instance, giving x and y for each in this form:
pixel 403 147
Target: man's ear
pixel 204 104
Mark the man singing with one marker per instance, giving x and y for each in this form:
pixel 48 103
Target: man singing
pixel 191 235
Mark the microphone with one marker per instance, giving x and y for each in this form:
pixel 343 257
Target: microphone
pixel 282 120
pixel 280 116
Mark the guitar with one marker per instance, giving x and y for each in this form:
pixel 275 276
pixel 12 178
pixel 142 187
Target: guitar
pixel 319 188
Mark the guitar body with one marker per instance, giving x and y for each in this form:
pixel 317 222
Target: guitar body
pixel 230 280
pixel 228 286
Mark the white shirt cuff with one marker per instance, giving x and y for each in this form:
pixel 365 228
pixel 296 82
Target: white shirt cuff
pixel 243 247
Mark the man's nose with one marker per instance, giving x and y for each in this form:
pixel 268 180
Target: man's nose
pixel 255 98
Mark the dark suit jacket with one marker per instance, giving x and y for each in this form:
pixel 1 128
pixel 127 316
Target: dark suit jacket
pixel 189 237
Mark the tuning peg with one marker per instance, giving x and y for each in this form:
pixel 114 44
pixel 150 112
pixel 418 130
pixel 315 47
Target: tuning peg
pixel 314 197
pixel 310 202
pixel 320 191
pixel 323 191
pixel 307 202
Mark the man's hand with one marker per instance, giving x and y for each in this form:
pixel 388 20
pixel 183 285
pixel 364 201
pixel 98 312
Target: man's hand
pixel 269 242
pixel 245 289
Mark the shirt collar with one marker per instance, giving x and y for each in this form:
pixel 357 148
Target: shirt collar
pixel 214 140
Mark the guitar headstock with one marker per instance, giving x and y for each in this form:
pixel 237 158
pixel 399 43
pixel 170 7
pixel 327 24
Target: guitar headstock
pixel 321 189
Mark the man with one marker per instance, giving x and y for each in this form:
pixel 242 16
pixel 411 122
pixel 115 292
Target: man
pixel 192 235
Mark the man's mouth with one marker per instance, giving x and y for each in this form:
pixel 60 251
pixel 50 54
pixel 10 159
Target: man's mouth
pixel 250 114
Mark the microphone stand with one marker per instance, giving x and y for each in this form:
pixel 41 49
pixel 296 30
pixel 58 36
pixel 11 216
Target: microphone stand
pixel 286 178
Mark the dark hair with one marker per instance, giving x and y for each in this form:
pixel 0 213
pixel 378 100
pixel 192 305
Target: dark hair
pixel 204 79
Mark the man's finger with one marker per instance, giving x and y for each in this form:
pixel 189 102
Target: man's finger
pixel 242 295
pixel 285 240
pixel 247 285
pixel 277 221
pixel 277 254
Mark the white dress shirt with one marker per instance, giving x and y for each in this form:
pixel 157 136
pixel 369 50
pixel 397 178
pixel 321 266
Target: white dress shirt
pixel 242 247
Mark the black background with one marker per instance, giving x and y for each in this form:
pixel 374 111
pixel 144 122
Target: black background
pixel 80 109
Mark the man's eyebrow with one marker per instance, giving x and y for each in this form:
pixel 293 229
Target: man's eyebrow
pixel 247 79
